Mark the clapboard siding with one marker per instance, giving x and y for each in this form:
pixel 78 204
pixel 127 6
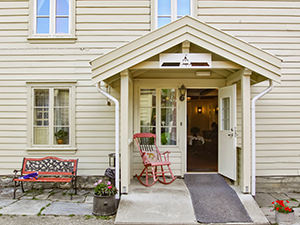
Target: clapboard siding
pixel 273 26
pixel 101 26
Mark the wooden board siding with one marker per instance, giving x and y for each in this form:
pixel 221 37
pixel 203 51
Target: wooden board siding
pixel 101 26
pixel 273 26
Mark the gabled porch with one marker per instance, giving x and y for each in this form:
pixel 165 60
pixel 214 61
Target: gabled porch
pixel 137 72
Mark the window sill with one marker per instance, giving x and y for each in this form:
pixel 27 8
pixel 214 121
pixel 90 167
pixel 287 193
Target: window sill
pixel 62 150
pixel 51 39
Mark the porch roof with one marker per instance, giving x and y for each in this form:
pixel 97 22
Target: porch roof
pixel 196 32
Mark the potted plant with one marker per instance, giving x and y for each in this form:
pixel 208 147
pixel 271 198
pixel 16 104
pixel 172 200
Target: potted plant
pixel 60 135
pixel 283 213
pixel 104 203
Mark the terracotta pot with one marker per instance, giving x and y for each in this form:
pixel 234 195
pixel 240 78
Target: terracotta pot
pixel 284 218
pixel 60 141
pixel 104 205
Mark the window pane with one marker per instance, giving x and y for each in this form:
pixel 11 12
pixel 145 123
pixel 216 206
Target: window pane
pixel 61 135
pixel 163 21
pixel 148 98
pixel 41 97
pixel 168 136
pixel 61 97
pixel 42 25
pixel 41 117
pixel 62 7
pixel 168 117
pixel 147 117
pixel 43 7
pixel 148 130
pixel 226 113
pixel 62 25
pixel 168 98
pixel 61 116
pixel 164 7
pixel 183 7
pixel 41 135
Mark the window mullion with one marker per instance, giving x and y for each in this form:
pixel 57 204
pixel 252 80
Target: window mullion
pixel 51 116
pixel 173 10
pixel 52 16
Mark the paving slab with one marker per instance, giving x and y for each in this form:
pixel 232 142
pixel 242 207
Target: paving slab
pixel 68 208
pixel 24 207
pixel 6 202
pixel 89 199
pixel 65 196
pixel 280 196
pixel 8 193
pixel 264 199
pixel 55 220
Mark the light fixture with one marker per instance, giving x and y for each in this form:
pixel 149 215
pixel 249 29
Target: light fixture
pixel 182 91
pixel 203 73
pixel 199 109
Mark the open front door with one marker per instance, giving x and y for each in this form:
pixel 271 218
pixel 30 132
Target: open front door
pixel 227 132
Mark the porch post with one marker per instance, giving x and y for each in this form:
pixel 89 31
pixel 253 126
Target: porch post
pixel 124 127
pixel 246 131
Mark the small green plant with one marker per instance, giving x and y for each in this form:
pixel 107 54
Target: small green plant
pixel 87 217
pixel 61 134
pixel 103 188
pixel 71 215
pixel 103 217
pixel 281 206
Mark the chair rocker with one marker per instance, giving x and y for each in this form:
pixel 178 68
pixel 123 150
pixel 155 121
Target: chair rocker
pixel 152 159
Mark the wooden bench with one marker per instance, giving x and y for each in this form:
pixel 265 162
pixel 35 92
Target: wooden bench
pixel 50 169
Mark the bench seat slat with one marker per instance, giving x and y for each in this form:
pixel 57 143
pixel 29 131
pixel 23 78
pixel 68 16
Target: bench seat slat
pixel 46 179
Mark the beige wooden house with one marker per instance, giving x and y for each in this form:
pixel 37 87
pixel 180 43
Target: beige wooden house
pixel 169 64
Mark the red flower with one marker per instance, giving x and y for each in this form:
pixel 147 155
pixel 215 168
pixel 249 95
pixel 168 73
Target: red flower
pixel 277 208
pixel 287 201
pixel 273 202
pixel 109 187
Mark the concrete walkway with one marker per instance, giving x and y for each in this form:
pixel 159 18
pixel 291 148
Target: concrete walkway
pixel 265 200
pixel 170 204
pixel 52 206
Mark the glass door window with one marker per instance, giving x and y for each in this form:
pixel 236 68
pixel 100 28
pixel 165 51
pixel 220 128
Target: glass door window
pixel 166 128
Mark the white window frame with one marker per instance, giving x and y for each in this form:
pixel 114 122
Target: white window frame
pixel 30 116
pixel 154 11
pixel 158 115
pixel 56 37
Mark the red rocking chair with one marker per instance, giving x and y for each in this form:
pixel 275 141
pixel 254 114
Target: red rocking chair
pixel 152 159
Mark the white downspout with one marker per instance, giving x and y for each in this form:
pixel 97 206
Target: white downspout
pixel 253 189
pixel 98 86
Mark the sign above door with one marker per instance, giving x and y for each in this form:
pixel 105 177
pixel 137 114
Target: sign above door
pixel 185 60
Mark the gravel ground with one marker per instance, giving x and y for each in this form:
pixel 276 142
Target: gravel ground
pixel 57 220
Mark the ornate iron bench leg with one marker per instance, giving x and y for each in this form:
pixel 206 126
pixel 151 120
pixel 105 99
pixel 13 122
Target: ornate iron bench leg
pixel 22 187
pixel 15 189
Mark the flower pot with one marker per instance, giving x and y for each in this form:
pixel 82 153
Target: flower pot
pixel 284 218
pixel 60 141
pixel 104 205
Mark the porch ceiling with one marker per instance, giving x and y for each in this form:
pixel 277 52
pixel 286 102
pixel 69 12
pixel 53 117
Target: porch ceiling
pixel 235 54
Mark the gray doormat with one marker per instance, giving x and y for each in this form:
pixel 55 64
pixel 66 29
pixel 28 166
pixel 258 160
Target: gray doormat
pixel 213 200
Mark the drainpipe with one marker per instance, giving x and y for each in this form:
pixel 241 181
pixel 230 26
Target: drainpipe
pixel 253 189
pixel 98 86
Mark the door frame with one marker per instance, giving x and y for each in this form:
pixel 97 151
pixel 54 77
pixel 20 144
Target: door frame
pixel 185 128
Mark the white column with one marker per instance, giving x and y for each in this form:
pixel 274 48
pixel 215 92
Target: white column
pixel 246 131
pixel 124 136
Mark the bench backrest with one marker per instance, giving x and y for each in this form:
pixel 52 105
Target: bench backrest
pixel 50 166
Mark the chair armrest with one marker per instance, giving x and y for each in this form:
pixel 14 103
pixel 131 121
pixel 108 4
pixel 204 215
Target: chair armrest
pixel 15 173
pixel 166 155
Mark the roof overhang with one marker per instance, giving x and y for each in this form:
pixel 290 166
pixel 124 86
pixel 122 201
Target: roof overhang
pixel 196 32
